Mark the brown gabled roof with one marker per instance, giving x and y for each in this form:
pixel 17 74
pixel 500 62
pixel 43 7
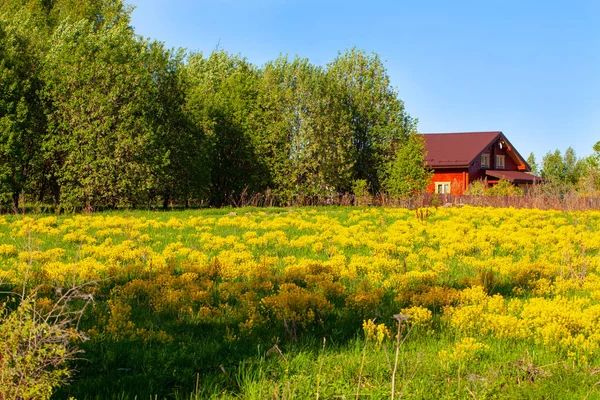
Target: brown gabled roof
pixel 456 149
pixel 514 176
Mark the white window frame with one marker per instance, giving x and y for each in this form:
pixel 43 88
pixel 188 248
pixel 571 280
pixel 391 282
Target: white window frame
pixel 500 162
pixel 445 187
pixel 485 164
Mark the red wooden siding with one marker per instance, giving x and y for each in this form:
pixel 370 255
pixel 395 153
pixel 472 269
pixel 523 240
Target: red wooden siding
pixel 459 176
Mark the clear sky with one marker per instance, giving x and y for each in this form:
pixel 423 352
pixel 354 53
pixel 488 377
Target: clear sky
pixel 528 68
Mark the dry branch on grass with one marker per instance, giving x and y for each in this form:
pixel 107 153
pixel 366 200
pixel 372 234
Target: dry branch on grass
pixel 37 339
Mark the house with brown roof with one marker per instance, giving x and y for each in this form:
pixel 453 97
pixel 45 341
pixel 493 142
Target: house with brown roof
pixel 460 158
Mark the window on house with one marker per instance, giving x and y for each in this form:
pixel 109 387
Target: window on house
pixel 499 162
pixel 442 187
pixel 485 160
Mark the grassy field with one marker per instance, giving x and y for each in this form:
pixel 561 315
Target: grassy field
pixel 471 303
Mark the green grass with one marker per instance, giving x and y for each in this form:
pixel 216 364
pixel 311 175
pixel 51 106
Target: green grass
pixel 212 359
pixel 505 371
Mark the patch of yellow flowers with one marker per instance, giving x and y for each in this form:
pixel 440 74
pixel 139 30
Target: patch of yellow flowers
pixel 525 275
pixel 375 332
pixel 467 349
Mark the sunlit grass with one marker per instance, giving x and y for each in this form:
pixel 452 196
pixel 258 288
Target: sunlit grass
pixel 503 303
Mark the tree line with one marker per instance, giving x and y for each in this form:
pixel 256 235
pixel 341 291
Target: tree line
pixel 567 173
pixel 92 115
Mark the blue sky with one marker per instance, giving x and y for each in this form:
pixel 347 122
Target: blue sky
pixel 528 68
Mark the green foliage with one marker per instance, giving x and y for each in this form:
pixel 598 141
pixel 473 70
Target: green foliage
pixel 35 345
pixel 573 167
pixel 589 182
pixel 477 188
pixel 21 116
pixel 553 167
pixel 177 153
pixel 101 138
pixel 406 175
pixel 360 189
pixel 221 104
pixel 303 141
pixel 93 116
pixel 504 188
pixel 535 169
pixel 563 172
pixel 375 115
pixel 28 371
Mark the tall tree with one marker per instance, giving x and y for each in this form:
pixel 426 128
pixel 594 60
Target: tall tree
pixel 178 159
pixel 562 171
pixel 406 174
pixel 596 155
pixel 553 167
pixel 535 169
pixel 42 17
pixel 221 102
pixel 101 117
pixel 99 92
pixel 21 114
pixel 573 167
pixel 34 23
pixel 376 115
pixel 333 136
pixel 286 141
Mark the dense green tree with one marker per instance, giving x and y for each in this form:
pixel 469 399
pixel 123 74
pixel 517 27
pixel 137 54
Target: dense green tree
pixel 21 114
pixel 286 140
pixel 99 93
pixel 179 160
pixel 94 115
pixel 596 155
pixel 221 102
pixel 553 166
pixel 589 183
pixel 333 136
pixel 405 175
pixel 42 17
pixel 33 22
pixel 573 167
pixel 562 172
pixel 376 116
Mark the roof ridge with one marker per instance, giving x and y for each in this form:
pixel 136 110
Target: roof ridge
pixel 461 133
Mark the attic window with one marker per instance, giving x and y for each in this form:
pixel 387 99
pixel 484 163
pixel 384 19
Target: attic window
pixel 485 160
pixel 499 162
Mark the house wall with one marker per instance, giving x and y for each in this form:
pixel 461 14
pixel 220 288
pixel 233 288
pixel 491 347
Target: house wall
pixel 457 178
pixel 509 164
pixel 475 170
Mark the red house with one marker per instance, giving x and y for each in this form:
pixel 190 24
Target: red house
pixel 460 158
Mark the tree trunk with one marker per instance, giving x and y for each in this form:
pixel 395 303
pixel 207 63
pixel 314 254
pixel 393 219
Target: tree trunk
pixel 15 201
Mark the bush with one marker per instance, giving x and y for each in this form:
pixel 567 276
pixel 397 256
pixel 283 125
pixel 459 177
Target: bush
pixel 504 188
pixel 361 192
pixel 477 188
pixel 36 341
